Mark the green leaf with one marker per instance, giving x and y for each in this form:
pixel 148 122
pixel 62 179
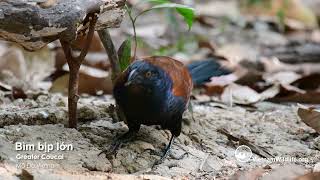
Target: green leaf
pixel 185 11
pixel 124 54
pixel 188 16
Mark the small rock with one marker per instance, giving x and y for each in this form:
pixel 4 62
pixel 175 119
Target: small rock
pixel 144 145
pixel 97 163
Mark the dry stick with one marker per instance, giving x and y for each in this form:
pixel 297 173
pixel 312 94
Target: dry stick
pixel 111 52
pixel 133 21
pixel 74 66
pixel 114 61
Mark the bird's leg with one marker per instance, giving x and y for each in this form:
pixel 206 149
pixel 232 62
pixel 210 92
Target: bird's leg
pixel 116 144
pixel 165 152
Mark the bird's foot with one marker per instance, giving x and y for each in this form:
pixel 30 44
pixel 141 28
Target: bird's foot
pixel 113 149
pixel 165 153
pixel 117 143
pixel 163 156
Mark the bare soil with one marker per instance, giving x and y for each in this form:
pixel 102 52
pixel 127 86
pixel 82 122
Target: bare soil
pixel 200 152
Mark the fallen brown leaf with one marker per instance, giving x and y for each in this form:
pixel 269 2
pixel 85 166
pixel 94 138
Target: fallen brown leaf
pixel 309 82
pixel 92 59
pixel 217 85
pixel 284 77
pixel 239 95
pixel 13 60
pixel 273 64
pixel 310 176
pixel 310 116
pixel 289 93
pixel 91 81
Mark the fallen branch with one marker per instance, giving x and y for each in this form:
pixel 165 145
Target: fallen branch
pixel 243 141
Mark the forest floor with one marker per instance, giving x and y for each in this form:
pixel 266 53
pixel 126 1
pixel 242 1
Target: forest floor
pixel 204 151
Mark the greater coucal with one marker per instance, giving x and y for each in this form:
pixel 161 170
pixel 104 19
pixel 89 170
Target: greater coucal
pixel 156 91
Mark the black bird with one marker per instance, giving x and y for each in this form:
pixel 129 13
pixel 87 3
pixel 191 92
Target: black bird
pixel 156 91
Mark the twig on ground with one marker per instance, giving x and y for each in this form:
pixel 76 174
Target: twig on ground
pixel 243 141
pixel 203 162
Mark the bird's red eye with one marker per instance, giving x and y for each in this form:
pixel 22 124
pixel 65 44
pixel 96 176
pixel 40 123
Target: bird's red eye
pixel 148 74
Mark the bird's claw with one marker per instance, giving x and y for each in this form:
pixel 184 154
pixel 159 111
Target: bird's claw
pixel 113 150
pixel 160 161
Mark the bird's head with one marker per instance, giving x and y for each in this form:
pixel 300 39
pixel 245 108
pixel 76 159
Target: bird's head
pixel 148 76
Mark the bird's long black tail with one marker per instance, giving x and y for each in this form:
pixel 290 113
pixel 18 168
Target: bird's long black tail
pixel 202 71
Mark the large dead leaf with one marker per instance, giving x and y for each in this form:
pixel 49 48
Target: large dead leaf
pixel 294 96
pixel 310 116
pixel 13 60
pixel 217 84
pixel 245 95
pixel 92 59
pixel 91 81
pixel 273 64
pixel 286 77
pixel 310 82
pixel 310 176
pixel 240 95
pixel 294 93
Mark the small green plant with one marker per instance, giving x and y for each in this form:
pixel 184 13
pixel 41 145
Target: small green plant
pixel 281 19
pixel 124 52
pixel 281 15
pixel 251 2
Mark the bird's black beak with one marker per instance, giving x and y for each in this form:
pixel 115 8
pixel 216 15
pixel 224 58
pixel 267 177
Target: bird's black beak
pixel 128 83
pixel 133 78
